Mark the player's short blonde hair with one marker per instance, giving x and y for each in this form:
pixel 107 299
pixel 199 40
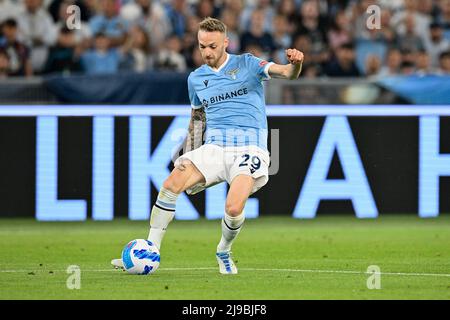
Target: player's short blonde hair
pixel 211 25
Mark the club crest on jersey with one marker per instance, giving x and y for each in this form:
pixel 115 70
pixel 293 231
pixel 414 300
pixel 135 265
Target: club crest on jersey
pixel 233 73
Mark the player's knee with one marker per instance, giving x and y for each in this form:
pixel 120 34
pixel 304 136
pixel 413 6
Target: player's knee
pixel 177 179
pixel 234 209
pixel 173 185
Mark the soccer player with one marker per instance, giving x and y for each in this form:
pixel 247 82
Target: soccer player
pixel 228 113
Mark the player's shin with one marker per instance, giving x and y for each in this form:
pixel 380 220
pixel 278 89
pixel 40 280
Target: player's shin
pixel 231 226
pixel 162 214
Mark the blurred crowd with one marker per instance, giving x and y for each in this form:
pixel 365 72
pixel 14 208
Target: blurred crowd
pixel 44 37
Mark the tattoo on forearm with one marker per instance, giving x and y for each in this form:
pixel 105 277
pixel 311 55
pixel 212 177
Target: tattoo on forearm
pixel 196 129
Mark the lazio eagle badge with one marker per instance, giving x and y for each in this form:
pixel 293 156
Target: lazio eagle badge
pixel 232 73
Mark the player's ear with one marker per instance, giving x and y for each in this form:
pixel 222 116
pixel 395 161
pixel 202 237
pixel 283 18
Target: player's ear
pixel 226 42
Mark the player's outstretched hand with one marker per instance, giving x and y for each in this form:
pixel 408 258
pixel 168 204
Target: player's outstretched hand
pixel 294 56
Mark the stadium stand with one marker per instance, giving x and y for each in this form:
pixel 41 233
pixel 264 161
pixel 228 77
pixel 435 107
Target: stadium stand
pixel 141 35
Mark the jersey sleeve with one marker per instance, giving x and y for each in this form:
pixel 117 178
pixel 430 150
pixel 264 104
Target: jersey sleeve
pixel 258 66
pixel 195 101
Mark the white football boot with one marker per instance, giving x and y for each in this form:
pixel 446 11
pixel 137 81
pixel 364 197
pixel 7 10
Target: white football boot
pixel 226 263
pixel 117 264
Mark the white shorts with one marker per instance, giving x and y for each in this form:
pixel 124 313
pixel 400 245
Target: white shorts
pixel 218 164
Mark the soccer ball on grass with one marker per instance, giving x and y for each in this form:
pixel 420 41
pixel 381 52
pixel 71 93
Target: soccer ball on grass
pixel 140 257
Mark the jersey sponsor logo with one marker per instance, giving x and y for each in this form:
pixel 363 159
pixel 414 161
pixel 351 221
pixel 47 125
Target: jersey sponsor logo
pixel 233 73
pixel 206 82
pixel 227 95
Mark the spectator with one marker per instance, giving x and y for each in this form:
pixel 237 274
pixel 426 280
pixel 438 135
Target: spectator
pixel 437 43
pixel 373 65
pixel 103 58
pixel 18 53
pixel 109 23
pixel 444 16
pixel 343 64
pixel 196 60
pixel 170 57
pixel 257 35
pixel 37 30
pixel 206 8
pixel 266 10
pixel 444 63
pixel 232 23
pixel 236 7
pixel 385 34
pixel 139 55
pixel 9 10
pixel 4 64
pixel 407 68
pixel 92 9
pixel 409 56
pixel 423 63
pixel 281 38
pixel 313 27
pixel 152 16
pixel 339 32
pixel 64 55
pixel 178 13
pixel 302 41
pixel 288 9
pixel 189 41
pixel 401 21
pixel 410 40
pixel 310 21
pixel 428 8
pixel 310 25
pixel 392 5
pixel 393 63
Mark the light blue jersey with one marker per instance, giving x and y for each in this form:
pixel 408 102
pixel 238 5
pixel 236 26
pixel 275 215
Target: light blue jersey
pixel 233 98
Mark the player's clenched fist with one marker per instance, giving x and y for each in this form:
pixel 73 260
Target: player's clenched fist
pixel 294 56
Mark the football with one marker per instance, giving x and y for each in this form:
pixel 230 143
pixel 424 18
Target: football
pixel 140 257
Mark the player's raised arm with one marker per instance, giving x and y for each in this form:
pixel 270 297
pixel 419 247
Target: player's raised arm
pixel 197 127
pixel 289 71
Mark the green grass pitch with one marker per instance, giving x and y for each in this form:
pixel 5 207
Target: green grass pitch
pixel 277 257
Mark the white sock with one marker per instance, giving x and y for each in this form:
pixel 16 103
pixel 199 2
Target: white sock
pixel 231 226
pixel 162 214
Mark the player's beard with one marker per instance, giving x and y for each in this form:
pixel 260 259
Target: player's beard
pixel 213 63
pixel 210 62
